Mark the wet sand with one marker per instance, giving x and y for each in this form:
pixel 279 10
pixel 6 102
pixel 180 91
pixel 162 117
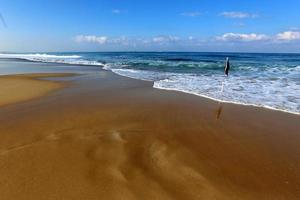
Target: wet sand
pixel 18 88
pixel 110 137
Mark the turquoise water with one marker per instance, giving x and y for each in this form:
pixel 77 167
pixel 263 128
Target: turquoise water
pixel 265 80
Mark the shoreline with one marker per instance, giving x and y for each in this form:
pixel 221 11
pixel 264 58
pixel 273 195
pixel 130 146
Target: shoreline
pixel 56 75
pixel 230 102
pixel 102 66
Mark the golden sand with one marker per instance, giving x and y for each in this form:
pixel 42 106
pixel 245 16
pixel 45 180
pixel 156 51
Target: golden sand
pixel 20 88
pixel 116 138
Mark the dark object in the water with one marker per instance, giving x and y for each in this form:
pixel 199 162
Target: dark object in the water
pixel 227 66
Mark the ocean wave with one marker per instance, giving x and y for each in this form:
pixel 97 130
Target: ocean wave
pixel 141 74
pixel 51 58
pixel 190 60
pixel 178 59
pixel 38 56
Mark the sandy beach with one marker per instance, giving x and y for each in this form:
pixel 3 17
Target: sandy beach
pixel 111 137
pixel 19 88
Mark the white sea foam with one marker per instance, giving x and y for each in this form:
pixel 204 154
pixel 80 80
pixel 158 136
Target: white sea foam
pixel 49 58
pixel 260 92
pixel 141 74
pixel 37 56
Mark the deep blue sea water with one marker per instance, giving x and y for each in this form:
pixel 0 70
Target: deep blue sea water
pixel 265 80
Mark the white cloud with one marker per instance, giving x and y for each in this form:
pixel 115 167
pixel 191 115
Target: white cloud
pixel 288 35
pixel 239 15
pixel 120 41
pixel 103 40
pixel 170 41
pixel 191 14
pixel 116 11
pixel 91 39
pixel 242 37
pixel 164 39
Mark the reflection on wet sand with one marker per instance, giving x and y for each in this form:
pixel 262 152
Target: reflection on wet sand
pixel 219 111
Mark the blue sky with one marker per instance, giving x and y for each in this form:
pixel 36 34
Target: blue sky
pixel 139 25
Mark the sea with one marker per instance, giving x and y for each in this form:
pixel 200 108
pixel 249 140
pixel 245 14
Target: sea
pixel 266 80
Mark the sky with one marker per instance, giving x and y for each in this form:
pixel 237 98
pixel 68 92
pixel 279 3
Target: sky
pixel 152 25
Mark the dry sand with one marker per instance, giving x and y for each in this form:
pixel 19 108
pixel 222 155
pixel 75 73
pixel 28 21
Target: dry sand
pixel 109 137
